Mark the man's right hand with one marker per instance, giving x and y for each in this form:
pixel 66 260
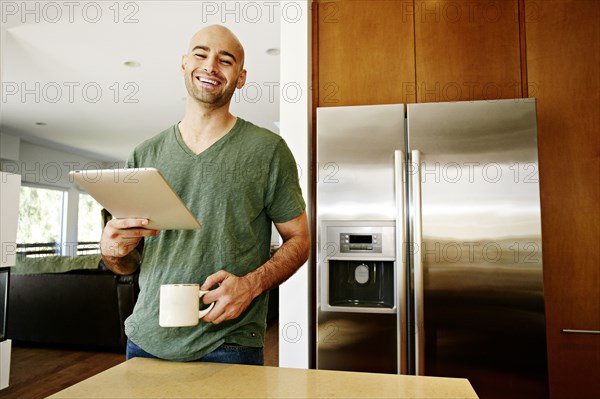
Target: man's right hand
pixel 121 236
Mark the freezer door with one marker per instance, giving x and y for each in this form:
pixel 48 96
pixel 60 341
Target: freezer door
pixel 477 254
pixel 360 178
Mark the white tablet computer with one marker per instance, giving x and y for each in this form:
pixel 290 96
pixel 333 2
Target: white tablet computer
pixel 137 193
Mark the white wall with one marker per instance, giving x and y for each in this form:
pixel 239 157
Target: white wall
pixel 5 351
pixel 39 165
pixel 9 146
pixel 9 215
pixel 295 128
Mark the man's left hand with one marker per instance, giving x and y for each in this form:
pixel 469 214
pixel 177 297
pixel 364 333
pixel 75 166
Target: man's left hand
pixel 232 297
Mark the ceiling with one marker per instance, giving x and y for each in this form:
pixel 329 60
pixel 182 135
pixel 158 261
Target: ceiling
pixel 65 85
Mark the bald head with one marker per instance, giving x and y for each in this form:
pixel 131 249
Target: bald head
pixel 219 35
pixel 213 67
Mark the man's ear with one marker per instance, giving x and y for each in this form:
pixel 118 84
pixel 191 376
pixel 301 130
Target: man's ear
pixel 241 80
pixel 183 62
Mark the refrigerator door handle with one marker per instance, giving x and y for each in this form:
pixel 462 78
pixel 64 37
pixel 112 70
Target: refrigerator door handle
pixel 417 252
pixel 572 331
pixel 400 193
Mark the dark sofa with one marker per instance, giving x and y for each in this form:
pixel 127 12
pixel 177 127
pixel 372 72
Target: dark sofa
pixel 75 301
pixel 69 301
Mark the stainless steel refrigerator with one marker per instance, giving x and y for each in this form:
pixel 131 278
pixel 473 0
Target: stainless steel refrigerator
pixel 429 242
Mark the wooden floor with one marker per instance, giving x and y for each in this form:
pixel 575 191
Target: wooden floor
pixel 37 372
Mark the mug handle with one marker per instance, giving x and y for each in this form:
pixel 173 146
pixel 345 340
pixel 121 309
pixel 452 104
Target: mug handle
pixel 204 312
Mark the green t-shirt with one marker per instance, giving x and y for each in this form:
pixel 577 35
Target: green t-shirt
pixel 235 188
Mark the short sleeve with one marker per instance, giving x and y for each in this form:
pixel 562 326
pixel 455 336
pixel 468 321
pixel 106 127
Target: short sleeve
pixel 283 199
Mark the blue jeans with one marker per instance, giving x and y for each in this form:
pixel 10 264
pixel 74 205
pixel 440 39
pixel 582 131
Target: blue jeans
pixel 226 353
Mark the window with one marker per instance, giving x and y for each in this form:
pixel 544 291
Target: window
pixel 89 224
pixel 40 220
pixel 47 224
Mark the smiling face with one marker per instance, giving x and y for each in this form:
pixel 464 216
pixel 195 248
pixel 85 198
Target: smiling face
pixel 214 66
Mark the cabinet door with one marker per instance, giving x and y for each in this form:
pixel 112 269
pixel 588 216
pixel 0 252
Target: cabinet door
pixel 467 50
pixel 563 63
pixel 365 52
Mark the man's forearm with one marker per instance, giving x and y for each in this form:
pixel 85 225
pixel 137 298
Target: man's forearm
pixel 125 265
pixel 292 254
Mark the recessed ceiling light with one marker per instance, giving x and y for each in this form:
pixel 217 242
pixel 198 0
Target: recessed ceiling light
pixel 132 64
pixel 41 123
pixel 273 51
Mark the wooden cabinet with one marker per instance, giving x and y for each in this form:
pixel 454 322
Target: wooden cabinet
pixel 467 50
pixel 563 64
pixel 378 52
pixel 365 53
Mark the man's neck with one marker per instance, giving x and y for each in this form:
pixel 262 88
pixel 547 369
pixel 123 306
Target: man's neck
pixel 200 127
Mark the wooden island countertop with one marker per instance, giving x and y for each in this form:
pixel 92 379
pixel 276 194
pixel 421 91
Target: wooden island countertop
pixel 151 378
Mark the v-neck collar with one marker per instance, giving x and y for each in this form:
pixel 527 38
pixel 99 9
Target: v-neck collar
pixel 214 146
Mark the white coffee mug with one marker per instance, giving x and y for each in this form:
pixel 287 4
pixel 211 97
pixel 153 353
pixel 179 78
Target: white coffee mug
pixel 180 305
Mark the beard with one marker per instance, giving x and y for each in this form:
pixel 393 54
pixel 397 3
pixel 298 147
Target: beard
pixel 208 97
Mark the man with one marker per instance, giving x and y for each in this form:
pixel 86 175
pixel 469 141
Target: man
pixel 237 179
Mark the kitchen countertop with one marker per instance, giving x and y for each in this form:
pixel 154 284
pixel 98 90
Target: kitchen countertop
pixel 151 378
